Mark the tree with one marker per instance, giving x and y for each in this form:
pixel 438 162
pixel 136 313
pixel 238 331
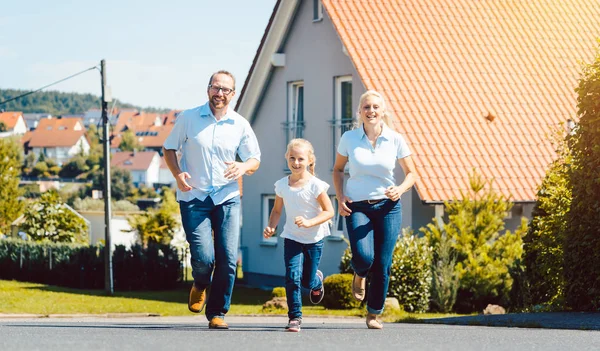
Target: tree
pixel 120 182
pixel 10 165
pixel 74 167
pixel 484 254
pixel 156 226
pixel 582 237
pixel 129 142
pixel 2 127
pixel 48 219
pixel 543 245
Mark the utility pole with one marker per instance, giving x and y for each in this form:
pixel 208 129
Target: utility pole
pixel 108 272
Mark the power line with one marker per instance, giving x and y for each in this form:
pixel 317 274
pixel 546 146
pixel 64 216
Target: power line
pixel 49 85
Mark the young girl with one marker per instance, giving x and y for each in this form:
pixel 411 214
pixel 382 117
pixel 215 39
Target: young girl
pixel 308 210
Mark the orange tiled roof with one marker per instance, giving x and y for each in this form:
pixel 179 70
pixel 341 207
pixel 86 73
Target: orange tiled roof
pixel 56 132
pixel 138 161
pixel 444 65
pixel 10 118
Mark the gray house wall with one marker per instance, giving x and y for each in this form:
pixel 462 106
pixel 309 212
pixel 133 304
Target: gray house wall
pixel 314 55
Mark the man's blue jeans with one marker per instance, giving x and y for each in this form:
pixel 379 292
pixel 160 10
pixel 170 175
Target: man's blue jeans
pixel 373 230
pixel 199 220
pixel 301 264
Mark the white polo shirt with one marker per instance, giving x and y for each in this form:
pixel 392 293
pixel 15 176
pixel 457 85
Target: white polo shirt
pixel 371 168
pixel 205 145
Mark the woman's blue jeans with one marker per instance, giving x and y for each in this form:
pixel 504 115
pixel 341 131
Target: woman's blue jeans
pixel 301 264
pixel 213 260
pixel 373 230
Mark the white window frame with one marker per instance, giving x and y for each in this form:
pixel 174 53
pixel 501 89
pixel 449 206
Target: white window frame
pixel 317 11
pixel 338 128
pixel 293 107
pixel 265 220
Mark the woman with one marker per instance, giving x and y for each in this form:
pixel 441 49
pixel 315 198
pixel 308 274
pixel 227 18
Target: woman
pixel 370 200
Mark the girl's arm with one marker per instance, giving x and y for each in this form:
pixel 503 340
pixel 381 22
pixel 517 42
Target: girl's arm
pixel 274 218
pixel 338 184
pixel 408 166
pixel 325 215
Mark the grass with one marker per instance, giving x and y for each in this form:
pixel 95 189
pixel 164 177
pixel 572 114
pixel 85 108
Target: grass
pixel 22 297
pixel 34 298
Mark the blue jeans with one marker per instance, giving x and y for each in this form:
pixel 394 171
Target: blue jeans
pixel 301 263
pixel 219 255
pixel 373 230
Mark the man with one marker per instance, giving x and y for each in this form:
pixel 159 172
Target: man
pixel 208 138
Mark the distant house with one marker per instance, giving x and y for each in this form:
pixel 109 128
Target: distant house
pixel 471 85
pixel 33 119
pixel 14 124
pixel 150 129
pixel 57 138
pixel 143 165
pixel 165 176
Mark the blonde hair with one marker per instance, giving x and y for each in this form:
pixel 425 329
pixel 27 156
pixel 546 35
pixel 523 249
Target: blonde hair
pixel 311 152
pixel 386 116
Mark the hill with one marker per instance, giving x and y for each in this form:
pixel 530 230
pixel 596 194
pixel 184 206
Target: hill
pixel 57 103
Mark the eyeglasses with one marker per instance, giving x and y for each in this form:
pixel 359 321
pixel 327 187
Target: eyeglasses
pixel 226 91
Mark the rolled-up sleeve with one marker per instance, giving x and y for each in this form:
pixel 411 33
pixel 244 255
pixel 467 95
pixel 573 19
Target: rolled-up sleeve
pixel 249 145
pixel 178 134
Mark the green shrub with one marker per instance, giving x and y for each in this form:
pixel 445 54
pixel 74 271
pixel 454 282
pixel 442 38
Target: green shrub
pixel 543 257
pixel 444 280
pixel 338 292
pixel 81 266
pixel 582 237
pixel 410 276
pixel 278 292
pixel 485 253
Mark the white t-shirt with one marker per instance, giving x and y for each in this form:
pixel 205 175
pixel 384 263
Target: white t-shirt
pixel 302 202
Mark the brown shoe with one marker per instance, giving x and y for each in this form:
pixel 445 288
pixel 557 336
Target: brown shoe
pixel 372 322
pixel 217 323
pixel 358 287
pixel 197 299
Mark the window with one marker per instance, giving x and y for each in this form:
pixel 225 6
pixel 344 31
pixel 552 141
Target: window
pixel 268 201
pixel 295 121
pixel 317 10
pixel 337 229
pixel 343 118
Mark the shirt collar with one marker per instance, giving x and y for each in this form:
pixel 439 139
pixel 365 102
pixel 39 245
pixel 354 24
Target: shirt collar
pixel 386 133
pixel 205 111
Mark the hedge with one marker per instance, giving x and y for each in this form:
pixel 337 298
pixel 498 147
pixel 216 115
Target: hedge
pixel 81 266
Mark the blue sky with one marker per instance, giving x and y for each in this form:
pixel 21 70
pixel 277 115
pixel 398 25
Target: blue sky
pixel 158 53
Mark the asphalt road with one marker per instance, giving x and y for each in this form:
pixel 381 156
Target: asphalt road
pixel 267 333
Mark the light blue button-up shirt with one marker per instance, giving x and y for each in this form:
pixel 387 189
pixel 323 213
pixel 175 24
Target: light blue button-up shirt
pixel 205 145
pixel 371 168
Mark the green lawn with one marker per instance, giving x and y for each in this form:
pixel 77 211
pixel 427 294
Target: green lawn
pixel 21 297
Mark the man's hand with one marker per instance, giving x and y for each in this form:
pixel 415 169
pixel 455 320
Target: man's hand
pixel 182 184
pixel 235 170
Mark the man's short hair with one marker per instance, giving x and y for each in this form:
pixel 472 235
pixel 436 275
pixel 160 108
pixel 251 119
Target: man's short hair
pixel 222 72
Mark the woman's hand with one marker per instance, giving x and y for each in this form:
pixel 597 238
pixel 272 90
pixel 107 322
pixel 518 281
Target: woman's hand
pixel 268 232
pixel 343 208
pixel 393 193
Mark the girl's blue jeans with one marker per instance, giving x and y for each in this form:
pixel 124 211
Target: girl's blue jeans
pixel 301 264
